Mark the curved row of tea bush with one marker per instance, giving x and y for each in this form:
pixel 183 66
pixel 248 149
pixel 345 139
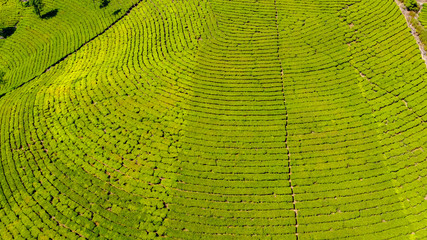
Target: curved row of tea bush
pixel 38 42
pixel 233 179
pixel 93 156
pixel 266 119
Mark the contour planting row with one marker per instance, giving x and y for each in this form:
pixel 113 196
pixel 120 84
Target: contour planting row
pixel 40 42
pixel 422 16
pixel 233 180
pixel 97 152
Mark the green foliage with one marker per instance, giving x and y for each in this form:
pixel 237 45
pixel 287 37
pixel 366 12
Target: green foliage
pixel 422 17
pixel 423 37
pixel 421 31
pixel 104 3
pixel 412 5
pixel 52 41
pixel 38 6
pixel 10 13
pixel 7 31
pixel 214 119
pixel 2 77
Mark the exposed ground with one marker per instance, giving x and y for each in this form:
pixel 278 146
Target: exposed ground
pixel 414 33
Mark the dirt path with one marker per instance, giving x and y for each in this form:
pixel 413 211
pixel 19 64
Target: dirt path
pixel 413 31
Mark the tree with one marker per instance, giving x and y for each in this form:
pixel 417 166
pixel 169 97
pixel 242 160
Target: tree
pixel 7 31
pixel 38 6
pixel 412 5
pixel 104 3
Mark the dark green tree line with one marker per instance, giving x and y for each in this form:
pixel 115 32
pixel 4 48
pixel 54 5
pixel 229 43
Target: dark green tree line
pixel 38 6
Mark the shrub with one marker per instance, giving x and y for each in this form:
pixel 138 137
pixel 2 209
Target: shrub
pixel 38 6
pixel 412 5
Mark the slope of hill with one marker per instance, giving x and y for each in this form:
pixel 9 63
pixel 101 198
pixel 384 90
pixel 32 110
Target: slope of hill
pixel 38 43
pixel 215 119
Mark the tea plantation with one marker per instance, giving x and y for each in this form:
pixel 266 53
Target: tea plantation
pixel 212 119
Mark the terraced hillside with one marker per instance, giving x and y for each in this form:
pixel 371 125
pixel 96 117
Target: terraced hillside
pixel 38 43
pixel 216 119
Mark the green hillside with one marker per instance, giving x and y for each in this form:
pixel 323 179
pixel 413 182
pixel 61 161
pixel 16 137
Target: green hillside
pixel 423 15
pixel 212 119
pixel 38 43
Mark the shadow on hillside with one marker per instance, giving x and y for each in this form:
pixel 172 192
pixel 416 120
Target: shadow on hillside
pixel 6 32
pixel 50 14
pixel 117 12
pixel 104 3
